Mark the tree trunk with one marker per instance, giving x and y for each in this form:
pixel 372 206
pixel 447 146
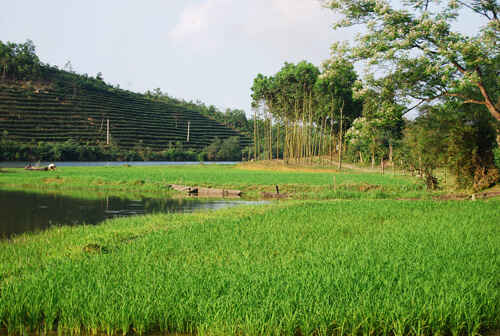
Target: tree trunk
pixel 495 112
pixel 277 141
pixel 255 135
pixel 331 142
pixel 390 152
pixel 340 135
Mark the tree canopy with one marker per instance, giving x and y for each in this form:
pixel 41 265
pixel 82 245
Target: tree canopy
pixel 19 61
pixel 309 104
pixel 414 43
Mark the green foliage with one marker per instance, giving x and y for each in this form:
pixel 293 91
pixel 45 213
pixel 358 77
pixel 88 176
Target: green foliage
pixel 414 46
pixel 213 149
pixel 308 105
pixel 380 128
pixel 230 150
pixel 71 150
pixel 19 61
pixel 462 140
pixel 334 90
pixel 227 150
pixel 496 154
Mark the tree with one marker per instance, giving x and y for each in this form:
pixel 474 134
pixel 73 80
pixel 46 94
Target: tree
pixel 213 149
pixel 462 141
pixel 19 61
pixel 382 120
pixel 415 45
pixel 334 95
pixel 230 149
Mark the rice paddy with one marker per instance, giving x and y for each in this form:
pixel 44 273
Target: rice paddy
pixel 351 267
pixel 314 267
pixel 300 184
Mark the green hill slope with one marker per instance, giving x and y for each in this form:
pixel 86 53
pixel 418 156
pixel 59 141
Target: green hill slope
pixel 62 112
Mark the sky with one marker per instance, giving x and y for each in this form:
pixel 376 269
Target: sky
pixel 207 50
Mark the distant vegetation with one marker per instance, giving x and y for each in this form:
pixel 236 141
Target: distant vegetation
pixel 51 114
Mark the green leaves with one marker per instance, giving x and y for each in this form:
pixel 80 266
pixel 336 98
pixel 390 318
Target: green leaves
pixel 19 61
pixel 415 43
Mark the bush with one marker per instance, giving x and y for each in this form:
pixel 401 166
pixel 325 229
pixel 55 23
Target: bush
pixel 227 150
pixel 496 155
pixel 230 150
pixel 460 137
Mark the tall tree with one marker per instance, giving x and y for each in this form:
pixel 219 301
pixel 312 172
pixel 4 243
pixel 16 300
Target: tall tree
pixel 417 48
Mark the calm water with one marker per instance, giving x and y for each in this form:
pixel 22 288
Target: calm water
pixel 22 212
pixel 11 164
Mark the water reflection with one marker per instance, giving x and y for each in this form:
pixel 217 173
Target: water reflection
pixel 22 212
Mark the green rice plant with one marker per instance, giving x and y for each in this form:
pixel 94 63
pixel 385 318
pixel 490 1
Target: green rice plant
pixel 375 267
pixel 298 184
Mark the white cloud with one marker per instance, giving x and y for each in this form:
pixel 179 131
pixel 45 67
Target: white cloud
pixel 197 18
pixel 211 24
pixel 223 44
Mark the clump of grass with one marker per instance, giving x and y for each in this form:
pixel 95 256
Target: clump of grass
pixel 352 267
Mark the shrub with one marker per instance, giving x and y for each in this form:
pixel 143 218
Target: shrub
pixel 496 155
pixel 460 137
pixel 230 150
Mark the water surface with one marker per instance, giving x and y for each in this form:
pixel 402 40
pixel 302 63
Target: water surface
pixel 22 164
pixel 21 211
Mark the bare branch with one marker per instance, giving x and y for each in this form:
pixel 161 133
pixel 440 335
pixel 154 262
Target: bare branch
pixel 483 13
pixel 459 67
pixel 415 106
pixel 473 101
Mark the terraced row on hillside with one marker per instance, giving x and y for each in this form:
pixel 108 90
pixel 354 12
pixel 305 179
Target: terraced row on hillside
pixel 54 116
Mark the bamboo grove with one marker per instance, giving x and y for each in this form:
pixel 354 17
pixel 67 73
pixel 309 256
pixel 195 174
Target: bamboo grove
pixel 302 112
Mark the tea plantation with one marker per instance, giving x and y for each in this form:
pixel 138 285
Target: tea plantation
pixel 57 114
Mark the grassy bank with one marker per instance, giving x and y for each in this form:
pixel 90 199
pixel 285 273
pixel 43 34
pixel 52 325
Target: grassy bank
pixel 317 267
pixel 299 183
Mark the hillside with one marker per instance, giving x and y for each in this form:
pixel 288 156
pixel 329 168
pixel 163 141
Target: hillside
pixel 59 113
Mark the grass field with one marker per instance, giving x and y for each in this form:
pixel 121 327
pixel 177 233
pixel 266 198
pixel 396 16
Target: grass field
pixel 316 267
pixel 348 266
pixel 300 184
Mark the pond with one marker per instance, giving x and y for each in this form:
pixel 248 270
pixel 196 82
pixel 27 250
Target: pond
pixel 13 164
pixel 23 212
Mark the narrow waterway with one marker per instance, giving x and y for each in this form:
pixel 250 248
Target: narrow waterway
pixel 23 212
pixel 19 164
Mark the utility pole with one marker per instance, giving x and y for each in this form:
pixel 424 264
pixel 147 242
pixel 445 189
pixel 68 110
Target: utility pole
pixel 107 133
pixel 189 128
